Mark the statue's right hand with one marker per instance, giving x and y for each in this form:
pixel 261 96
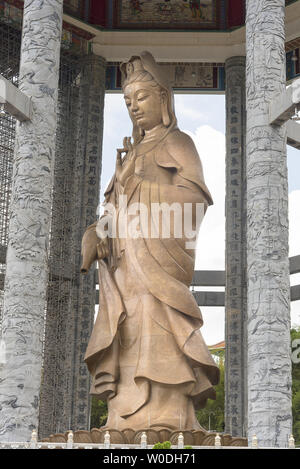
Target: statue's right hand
pixel 125 166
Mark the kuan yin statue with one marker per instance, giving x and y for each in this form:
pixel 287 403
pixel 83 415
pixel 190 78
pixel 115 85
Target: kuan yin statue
pixel 146 354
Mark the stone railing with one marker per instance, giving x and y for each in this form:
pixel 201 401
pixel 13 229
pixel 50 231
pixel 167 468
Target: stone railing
pixel 143 444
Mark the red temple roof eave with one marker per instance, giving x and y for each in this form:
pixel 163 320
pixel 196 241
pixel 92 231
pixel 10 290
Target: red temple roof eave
pixel 218 346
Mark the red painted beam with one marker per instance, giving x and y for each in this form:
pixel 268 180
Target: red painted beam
pixel 235 13
pixel 98 12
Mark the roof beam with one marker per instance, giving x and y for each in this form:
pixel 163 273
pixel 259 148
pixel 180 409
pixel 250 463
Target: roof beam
pixel 216 278
pixel 217 299
pixel 209 278
pixel 293 134
pixel 282 108
pixel 209 298
pixel 13 101
pixel 203 298
pixel 295 293
pixel 294 265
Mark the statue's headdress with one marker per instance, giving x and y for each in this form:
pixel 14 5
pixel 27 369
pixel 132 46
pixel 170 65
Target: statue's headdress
pixel 145 62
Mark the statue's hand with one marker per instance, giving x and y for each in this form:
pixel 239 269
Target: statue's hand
pixel 89 248
pixel 103 249
pixel 125 167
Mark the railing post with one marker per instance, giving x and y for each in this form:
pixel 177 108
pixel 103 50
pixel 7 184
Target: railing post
pixel 180 444
pixel 217 441
pixel 70 440
pixel 144 440
pixel 107 440
pixel 291 442
pixel 254 444
pixel 33 441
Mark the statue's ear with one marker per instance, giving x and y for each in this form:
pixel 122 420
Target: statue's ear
pixel 164 109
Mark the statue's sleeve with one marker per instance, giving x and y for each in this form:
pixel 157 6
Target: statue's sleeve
pixel 179 152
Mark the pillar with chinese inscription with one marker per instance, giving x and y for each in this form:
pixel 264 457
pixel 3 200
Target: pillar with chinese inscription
pixel 87 181
pixel 269 359
pixel 27 254
pixel 236 288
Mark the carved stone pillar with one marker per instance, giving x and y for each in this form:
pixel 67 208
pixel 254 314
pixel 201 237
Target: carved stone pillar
pixel 27 273
pixel 269 359
pixel 236 288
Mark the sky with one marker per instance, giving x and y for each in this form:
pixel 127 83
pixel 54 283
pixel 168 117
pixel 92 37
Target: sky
pixel 203 118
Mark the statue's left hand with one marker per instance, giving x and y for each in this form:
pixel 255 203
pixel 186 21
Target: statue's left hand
pixel 125 167
pixel 89 248
pixel 103 249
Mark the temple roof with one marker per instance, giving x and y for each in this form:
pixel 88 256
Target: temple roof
pixel 207 31
pixel 218 346
pixel 176 15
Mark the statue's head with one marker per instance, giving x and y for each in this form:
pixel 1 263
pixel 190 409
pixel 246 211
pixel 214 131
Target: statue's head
pixel 147 94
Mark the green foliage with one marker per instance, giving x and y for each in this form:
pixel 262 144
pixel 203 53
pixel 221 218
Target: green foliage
pixel 164 445
pixel 212 416
pixel 295 334
pixel 98 413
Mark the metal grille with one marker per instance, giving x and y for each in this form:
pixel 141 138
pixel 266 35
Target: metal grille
pixel 56 394
pixel 10 41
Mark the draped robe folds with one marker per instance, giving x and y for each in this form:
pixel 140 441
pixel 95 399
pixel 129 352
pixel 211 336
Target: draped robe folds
pixel 146 354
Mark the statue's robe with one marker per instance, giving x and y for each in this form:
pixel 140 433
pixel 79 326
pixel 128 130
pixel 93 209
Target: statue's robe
pixel 146 354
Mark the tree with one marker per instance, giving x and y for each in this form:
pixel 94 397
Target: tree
pixel 295 334
pixel 212 416
pixel 98 413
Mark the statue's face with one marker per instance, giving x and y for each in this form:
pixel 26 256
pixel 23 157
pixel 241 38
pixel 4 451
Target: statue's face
pixel 144 105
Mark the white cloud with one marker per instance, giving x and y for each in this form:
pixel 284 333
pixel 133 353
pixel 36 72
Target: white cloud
pixel 117 123
pixel 187 112
pixel 294 218
pixel 210 253
pixel 214 325
pixel 295 313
